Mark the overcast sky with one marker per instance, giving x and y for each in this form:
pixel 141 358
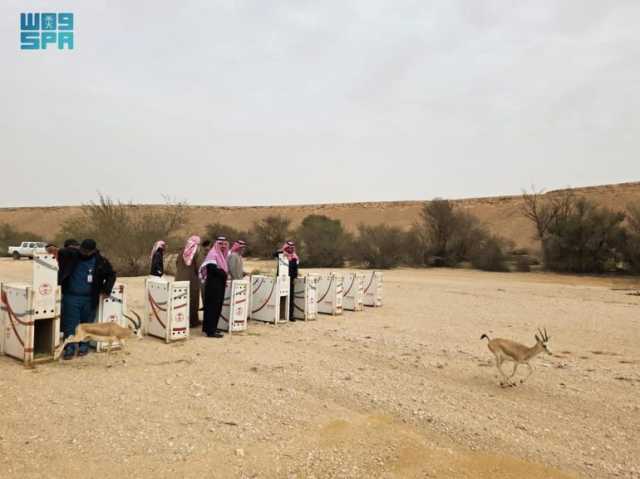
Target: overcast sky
pixel 286 102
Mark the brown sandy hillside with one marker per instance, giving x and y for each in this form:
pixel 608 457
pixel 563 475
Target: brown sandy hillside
pixel 501 213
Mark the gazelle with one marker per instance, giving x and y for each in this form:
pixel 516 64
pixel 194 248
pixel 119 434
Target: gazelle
pixel 108 332
pixel 507 350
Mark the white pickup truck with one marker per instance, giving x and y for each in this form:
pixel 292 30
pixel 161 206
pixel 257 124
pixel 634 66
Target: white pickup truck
pixel 27 249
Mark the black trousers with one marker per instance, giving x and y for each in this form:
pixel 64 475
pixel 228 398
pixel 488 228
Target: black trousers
pixel 213 298
pixel 291 296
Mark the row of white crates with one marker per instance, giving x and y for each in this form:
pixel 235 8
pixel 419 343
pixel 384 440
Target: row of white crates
pixel 262 298
pixel 30 316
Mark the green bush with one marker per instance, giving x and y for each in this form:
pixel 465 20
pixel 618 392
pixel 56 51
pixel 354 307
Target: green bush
pixel 219 229
pixel 523 264
pixel 378 247
pixel 588 239
pixel 488 255
pixel 269 234
pixel 323 242
pixel 440 222
pixel 416 247
pixel 632 246
pixel 445 234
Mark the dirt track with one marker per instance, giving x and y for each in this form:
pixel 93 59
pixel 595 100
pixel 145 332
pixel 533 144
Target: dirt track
pixel 406 390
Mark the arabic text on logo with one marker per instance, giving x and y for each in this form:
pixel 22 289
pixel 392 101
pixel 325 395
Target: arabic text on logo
pixel 40 30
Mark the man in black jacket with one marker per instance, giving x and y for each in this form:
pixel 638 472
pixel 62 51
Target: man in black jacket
pixel 85 276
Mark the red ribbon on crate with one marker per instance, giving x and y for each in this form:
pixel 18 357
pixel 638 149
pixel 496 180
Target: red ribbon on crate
pixel 13 318
pixel 155 307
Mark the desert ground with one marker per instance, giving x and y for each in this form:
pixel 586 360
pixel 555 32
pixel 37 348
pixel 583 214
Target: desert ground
pixel 403 391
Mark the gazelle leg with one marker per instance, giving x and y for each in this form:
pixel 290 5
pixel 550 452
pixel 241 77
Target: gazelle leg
pixel 513 373
pixel 530 373
pixel 59 352
pixel 499 366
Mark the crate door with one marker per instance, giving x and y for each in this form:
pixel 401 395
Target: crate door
pixel 359 292
pixel 17 323
pixel 179 320
pixel 312 297
pixel 224 319
pixel 239 307
pixel 353 292
pixel 327 294
pixel 373 289
pixel 157 306
pixel 379 289
pixel 111 309
pixel 338 294
pixel 300 298
pixel 45 286
pixel 263 299
pixel 283 265
pixel 281 300
pixel 349 297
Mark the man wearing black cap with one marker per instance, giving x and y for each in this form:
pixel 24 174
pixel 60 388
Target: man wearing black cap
pixel 85 275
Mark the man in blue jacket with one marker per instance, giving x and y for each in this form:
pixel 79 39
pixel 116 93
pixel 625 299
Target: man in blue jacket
pixel 85 276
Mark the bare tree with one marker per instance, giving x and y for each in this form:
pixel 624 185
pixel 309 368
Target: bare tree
pixel 544 210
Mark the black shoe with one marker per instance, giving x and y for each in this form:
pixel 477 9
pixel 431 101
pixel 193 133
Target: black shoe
pixel 293 320
pixel 215 335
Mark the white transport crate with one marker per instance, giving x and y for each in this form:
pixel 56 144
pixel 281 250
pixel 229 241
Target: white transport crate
pixel 373 289
pixel 26 336
pixel 330 294
pixel 353 296
pixel 235 308
pixel 167 308
pixel 112 309
pixel 305 297
pixel 283 265
pixel 269 299
pixel 45 286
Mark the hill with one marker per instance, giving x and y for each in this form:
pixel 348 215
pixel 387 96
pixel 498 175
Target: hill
pixel 501 213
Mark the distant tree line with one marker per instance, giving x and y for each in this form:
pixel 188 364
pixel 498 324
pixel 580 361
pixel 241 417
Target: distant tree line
pixel 575 236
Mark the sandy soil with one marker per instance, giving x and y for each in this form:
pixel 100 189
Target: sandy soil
pixel 402 391
pixel 501 214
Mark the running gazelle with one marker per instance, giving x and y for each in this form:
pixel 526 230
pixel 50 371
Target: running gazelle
pixel 507 350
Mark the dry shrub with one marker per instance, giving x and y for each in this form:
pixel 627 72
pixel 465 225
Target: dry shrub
pixel 632 246
pixel 125 233
pixel 378 247
pixel 220 229
pixel 488 255
pixel 588 239
pixel 323 242
pixel 523 264
pixel 269 234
